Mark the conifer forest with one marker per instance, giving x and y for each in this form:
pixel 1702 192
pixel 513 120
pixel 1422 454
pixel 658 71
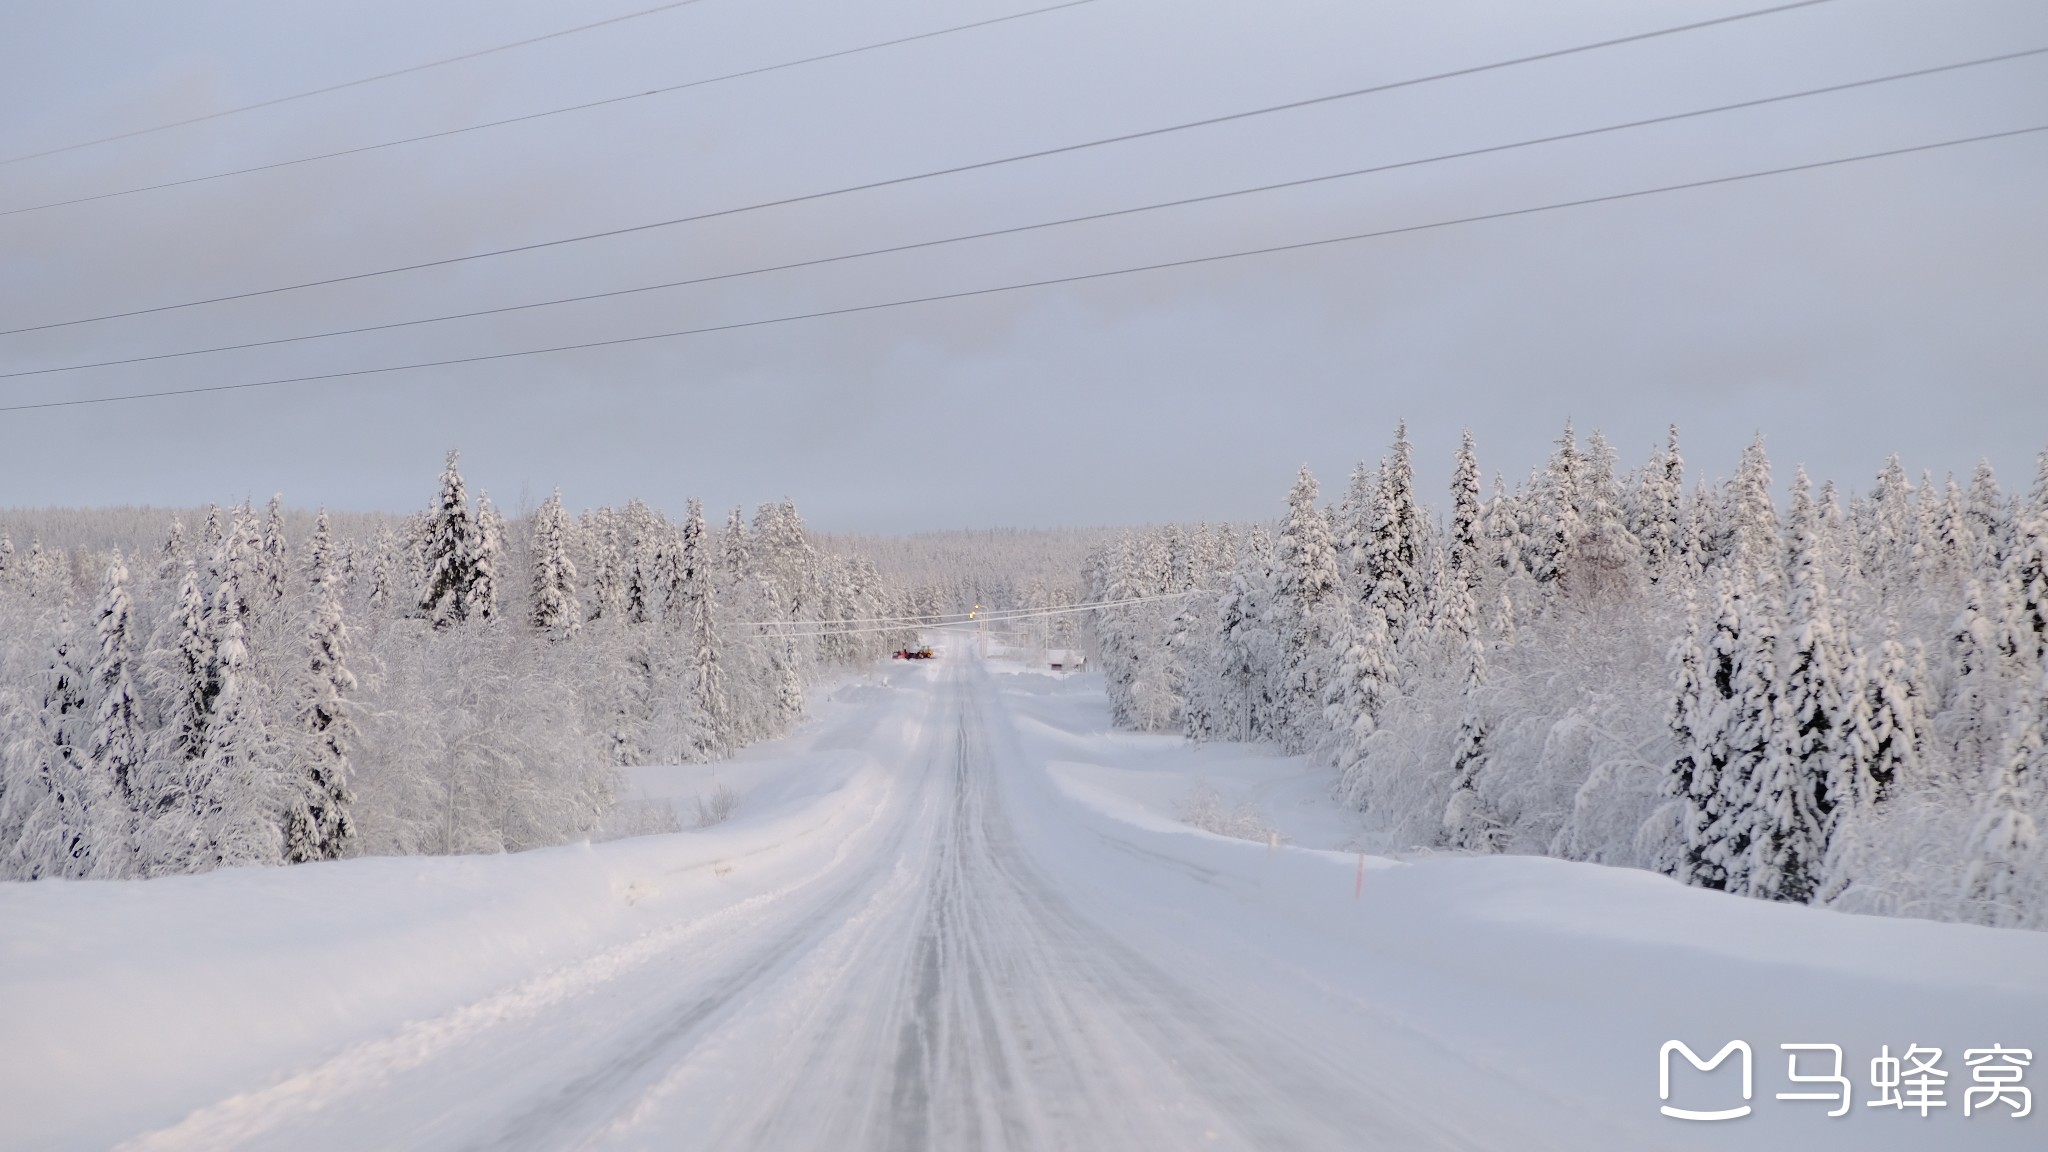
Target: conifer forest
pixel 1843 701
pixel 235 692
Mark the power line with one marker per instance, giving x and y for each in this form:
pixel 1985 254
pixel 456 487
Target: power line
pixel 934 173
pixel 1050 282
pixel 670 89
pixel 276 100
pixel 1013 230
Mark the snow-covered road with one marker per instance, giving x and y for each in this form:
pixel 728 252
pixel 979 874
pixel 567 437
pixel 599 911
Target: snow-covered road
pixel 936 924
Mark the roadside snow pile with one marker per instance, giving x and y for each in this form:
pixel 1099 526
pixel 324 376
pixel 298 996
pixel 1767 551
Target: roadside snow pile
pixel 1205 808
pixel 123 1003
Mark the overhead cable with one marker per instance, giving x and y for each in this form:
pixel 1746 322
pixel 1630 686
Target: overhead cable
pixel 952 170
pixel 1182 202
pixel 1077 278
pixel 531 116
pixel 407 71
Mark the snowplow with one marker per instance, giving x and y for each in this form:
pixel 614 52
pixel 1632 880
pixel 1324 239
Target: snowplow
pixel 924 653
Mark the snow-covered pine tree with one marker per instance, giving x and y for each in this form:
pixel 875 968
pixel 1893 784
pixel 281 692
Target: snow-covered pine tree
pixel 2006 881
pixel 1898 717
pixel 1557 501
pixel 2023 577
pixel 1242 641
pixel 785 669
pixel 318 824
pixel 643 531
pixel 322 560
pixel 1755 527
pixel 53 792
pixel 555 610
pixel 1469 822
pixel 236 805
pixel 600 536
pixel 1887 545
pixel 1398 541
pixel 736 566
pixel 383 568
pixel 1974 721
pixel 1990 520
pixel 450 553
pixel 707 687
pixel 1360 684
pixel 212 533
pixel 489 559
pixel 273 560
pixel 185 681
pixel 1507 543
pixel 171 556
pixel 1701 678
pixel 1755 729
pixel 1466 544
pixel 1738 734
pixel 1826 726
pixel 687 561
pixel 1657 525
pixel 116 751
pixel 1358 520
pixel 1305 571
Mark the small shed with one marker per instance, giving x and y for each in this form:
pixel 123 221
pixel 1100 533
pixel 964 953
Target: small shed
pixel 1064 659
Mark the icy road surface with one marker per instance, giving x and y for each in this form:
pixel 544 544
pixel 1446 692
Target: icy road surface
pixel 947 917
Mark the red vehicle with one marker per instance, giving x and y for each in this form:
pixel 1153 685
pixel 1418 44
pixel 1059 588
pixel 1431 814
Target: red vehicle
pixel 914 653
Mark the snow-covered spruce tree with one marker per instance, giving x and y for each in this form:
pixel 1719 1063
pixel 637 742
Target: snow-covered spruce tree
pixel 170 555
pixel 1825 765
pixel 1357 519
pixel 119 736
pixel 185 680
pixel 1556 496
pixel 2006 882
pixel 1305 582
pixel 599 533
pixel 1657 510
pixel 450 552
pixel 55 799
pixel 489 558
pixel 1735 733
pixel 555 611
pixel 1236 701
pixel 1467 544
pixel 735 564
pixel 1973 720
pixel 1702 677
pixel 384 570
pixel 273 560
pixel 236 806
pixel 643 532
pixel 2023 576
pixel 317 823
pixel 1397 543
pixel 707 686
pixel 321 554
pixel 1359 689
pixel 1469 822
pixel 1887 541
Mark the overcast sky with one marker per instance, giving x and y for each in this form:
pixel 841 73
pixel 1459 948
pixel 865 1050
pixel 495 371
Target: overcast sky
pixel 1892 305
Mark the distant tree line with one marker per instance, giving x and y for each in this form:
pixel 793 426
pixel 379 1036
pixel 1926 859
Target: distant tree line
pixel 446 682
pixel 1829 704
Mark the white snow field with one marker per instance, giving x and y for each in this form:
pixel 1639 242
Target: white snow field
pixel 957 912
